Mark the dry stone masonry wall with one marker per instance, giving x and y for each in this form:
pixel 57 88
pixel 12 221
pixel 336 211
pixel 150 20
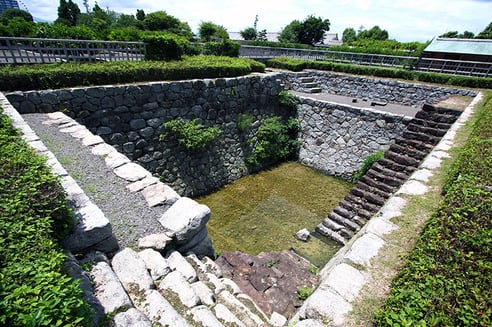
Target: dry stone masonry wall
pixel 336 138
pixel 130 118
pixel 375 89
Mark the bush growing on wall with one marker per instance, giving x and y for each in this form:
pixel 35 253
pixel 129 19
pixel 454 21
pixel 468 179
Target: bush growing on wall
pixel 191 134
pixel 223 48
pixel 275 140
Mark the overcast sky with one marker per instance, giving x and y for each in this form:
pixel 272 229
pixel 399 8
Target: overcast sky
pixel 405 20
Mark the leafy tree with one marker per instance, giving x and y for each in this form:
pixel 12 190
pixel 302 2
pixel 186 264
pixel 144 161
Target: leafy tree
pixel 349 35
pixel 17 27
pixel 249 33
pixel 310 31
pixel 10 13
pixel 125 20
pixel 68 12
pixel 289 32
pixel 209 31
pixel 486 33
pixel 313 30
pixel 375 33
pixel 161 21
pixel 140 15
pixel 455 34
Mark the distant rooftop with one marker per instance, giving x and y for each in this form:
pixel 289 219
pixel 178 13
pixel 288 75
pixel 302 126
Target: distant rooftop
pixel 329 38
pixel 462 46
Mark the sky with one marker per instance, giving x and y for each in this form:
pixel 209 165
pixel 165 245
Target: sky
pixel 405 20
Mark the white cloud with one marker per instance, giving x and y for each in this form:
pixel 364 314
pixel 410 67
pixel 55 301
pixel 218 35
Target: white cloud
pixel 417 20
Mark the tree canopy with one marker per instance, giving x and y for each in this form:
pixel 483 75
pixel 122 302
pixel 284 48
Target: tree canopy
pixel 310 31
pixel 486 33
pixel 68 12
pixel 209 31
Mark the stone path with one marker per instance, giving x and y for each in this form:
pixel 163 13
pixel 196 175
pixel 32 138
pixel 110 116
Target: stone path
pixel 155 284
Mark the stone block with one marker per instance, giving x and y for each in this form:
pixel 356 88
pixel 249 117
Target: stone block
pixel 115 159
pixel 131 318
pixel 155 263
pixel 364 249
pixel 102 149
pixel 177 283
pixel 184 219
pixel 158 309
pixel 132 271
pixel 205 317
pixel 91 228
pixel 346 281
pixel 154 241
pixel 205 294
pixel 325 304
pixel 159 194
pixel 222 312
pixel 141 184
pixel 108 289
pixel 92 140
pixel 131 172
pixel 177 262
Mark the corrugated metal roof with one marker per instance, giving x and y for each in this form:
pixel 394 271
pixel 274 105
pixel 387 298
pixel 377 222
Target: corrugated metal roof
pixel 468 46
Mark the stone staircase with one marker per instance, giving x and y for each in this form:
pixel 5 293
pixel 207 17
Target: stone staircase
pixel 308 85
pixel 388 174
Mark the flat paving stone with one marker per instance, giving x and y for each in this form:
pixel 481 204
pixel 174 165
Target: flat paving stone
pixel 131 172
pixel 364 249
pixel 413 187
pixel 346 281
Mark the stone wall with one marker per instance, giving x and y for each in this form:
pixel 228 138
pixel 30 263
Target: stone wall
pixel 376 89
pixel 336 138
pixel 130 118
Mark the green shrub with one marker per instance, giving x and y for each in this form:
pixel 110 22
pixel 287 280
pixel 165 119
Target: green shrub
pixel 190 134
pixel 35 289
pixel 225 47
pixel 304 292
pixel 275 140
pixel 288 100
pixel 49 76
pixel 367 164
pixel 244 122
pixel 164 47
pixel 445 280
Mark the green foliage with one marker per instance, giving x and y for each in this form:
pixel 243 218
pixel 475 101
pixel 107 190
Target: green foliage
pixel 164 47
pixel 225 47
pixel 275 140
pixel 48 76
pixel 287 99
pixel 191 134
pixel 349 35
pixel 10 13
pixel 68 13
pixel 375 33
pixel 249 33
pixel 304 292
pixel 486 33
pixel 313 270
pixel 387 47
pixel 367 163
pixel 209 31
pixel 244 122
pixel 161 21
pixel 310 31
pixel 446 79
pixel 34 287
pixel 446 279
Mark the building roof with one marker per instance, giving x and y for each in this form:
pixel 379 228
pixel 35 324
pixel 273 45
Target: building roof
pixel 463 46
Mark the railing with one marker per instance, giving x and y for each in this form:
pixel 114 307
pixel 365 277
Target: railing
pixel 335 56
pixel 455 67
pixel 30 51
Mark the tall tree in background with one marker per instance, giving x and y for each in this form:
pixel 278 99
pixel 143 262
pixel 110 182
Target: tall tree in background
pixel 375 33
pixel 209 31
pixel 68 12
pixel 140 15
pixel 486 33
pixel 349 35
pixel 309 31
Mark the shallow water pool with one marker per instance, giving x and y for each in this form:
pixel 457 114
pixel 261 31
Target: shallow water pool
pixel 263 211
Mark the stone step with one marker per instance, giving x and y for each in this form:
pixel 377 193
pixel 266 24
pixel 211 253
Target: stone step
pixel 373 190
pixel 416 144
pixel 309 85
pixel 368 196
pixel 440 110
pixel 378 168
pixel 432 124
pixel 327 232
pixel 377 183
pixel 361 205
pixel 414 153
pixel 345 222
pixel 401 159
pixel 426 130
pixel 305 80
pixel 388 163
pixel 436 117
pixel 426 138
pixel 314 90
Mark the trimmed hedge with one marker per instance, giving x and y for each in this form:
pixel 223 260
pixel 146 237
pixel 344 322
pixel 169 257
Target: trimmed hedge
pixel 454 80
pixel 35 289
pixel 446 279
pixel 62 75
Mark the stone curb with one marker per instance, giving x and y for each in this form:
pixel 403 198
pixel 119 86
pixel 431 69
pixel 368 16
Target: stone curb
pixel 344 276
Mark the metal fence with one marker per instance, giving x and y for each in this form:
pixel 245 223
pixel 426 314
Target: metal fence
pixel 455 67
pixel 30 50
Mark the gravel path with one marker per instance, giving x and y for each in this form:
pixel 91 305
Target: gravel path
pixel 129 214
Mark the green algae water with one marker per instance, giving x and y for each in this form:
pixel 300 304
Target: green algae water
pixel 263 211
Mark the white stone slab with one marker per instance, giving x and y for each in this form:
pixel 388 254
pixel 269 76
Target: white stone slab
pixel 364 249
pixel 223 313
pixel 131 172
pixel 380 226
pixel 346 281
pixel 132 271
pixel 155 263
pixel 327 305
pixel 131 318
pixel 141 184
pixel 205 317
pixel 92 140
pixel 73 129
pixel 115 159
pixel 158 309
pixel 431 163
pixel 108 289
pixel 177 262
pixel 38 146
pixel 413 187
pixel 422 175
pixel 392 208
pixel 176 282
pixel 102 149
pixel 159 194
